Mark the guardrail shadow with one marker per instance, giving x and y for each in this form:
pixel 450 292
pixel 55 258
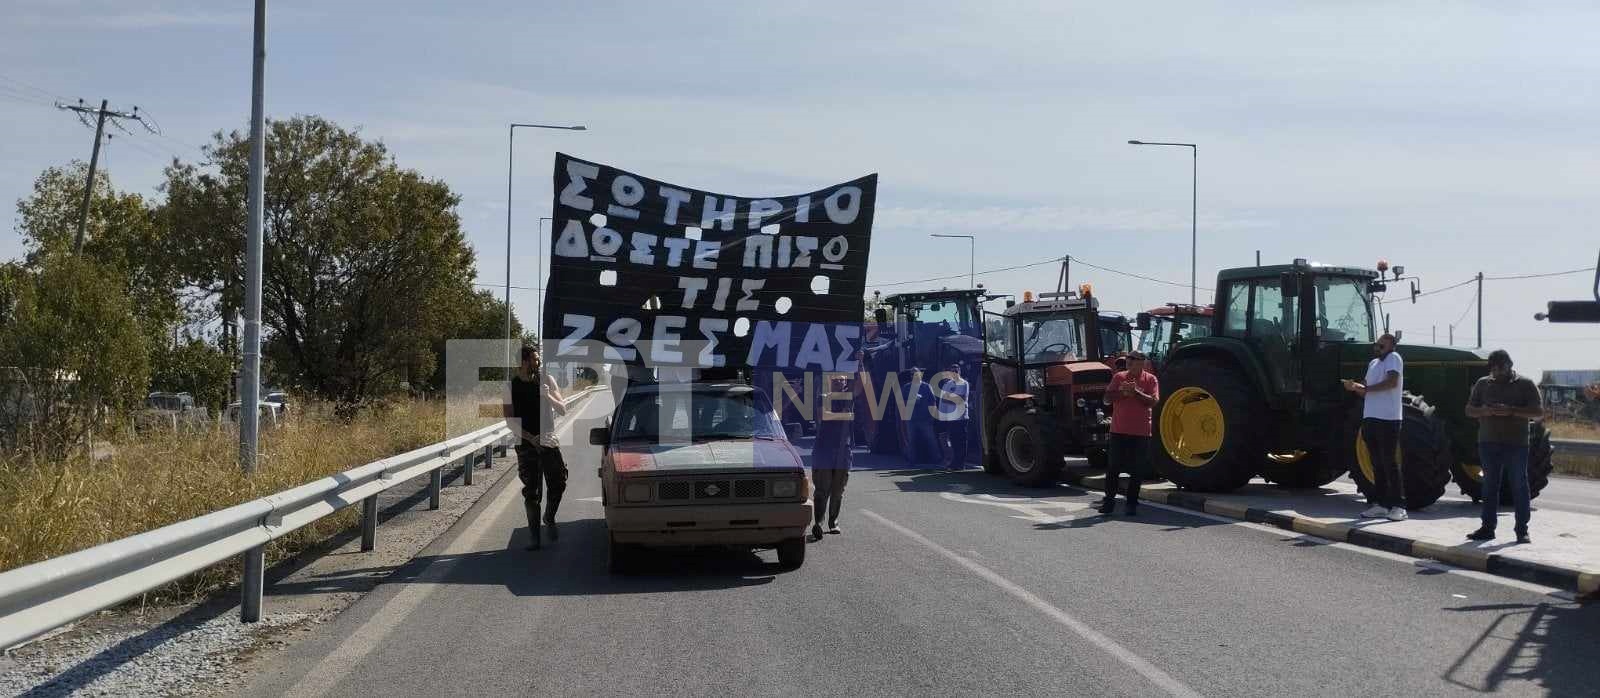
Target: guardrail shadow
pixel 574 566
pixel 1551 645
pixel 72 679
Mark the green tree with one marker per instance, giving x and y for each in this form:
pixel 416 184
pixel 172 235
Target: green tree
pixel 123 236
pixel 365 262
pixel 197 367
pixel 73 350
pixel 479 316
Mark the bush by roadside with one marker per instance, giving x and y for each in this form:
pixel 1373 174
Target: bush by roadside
pixel 50 507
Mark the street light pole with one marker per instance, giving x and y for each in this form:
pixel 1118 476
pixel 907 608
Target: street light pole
pixel 1194 209
pixel 511 163
pixel 971 254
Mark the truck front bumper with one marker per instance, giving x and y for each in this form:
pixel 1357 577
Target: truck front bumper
pixel 731 524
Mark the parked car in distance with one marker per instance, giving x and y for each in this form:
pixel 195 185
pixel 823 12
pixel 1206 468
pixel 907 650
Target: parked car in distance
pixel 700 464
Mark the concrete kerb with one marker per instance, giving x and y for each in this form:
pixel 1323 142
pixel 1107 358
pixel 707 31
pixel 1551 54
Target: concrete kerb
pixel 1584 582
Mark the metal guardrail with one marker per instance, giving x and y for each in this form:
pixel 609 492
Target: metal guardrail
pixel 1576 447
pixel 45 595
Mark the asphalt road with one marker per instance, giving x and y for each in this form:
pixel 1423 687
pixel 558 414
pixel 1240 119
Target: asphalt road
pixel 941 583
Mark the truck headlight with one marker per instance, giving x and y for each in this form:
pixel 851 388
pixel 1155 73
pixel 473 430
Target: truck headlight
pixel 785 488
pixel 636 492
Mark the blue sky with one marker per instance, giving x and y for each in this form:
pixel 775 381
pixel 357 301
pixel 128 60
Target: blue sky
pixel 1451 138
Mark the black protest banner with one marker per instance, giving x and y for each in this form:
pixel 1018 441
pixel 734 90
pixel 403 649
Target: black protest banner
pixel 642 270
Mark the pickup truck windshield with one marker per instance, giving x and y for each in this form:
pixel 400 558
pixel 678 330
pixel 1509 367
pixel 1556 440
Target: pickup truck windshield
pixel 694 416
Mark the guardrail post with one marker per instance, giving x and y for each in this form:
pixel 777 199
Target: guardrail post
pixel 488 456
pixel 435 481
pixel 252 584
pixel 466 470
pixel 369 524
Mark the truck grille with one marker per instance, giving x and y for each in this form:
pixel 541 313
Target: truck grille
pixel 677 489
pixel 749 489
pixel 712 489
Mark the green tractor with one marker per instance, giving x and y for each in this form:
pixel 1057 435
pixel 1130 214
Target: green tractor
pixel 1262 394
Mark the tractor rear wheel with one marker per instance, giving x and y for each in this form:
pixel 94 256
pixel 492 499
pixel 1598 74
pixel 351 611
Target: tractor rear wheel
pixel 1029 448
pixel 1424 455
pixel 1207 427
pixel 1469 477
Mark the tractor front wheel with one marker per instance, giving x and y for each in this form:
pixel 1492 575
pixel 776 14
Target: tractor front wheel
pixel 1469 477
pixel 1029 449
pixel 1424 454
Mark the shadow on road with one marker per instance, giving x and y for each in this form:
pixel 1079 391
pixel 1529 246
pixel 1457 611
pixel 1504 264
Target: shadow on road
pixel 1552 645
pixel 575 565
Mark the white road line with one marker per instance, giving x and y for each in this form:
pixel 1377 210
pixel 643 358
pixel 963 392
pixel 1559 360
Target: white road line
pixel 1139 664
pixel 323 677
pixel 1435 565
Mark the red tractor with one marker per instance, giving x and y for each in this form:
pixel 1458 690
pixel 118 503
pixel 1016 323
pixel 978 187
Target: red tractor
pixel 1043 380
pixel 1160 328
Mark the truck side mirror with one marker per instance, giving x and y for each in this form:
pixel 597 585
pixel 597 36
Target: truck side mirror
pixel 1289 284
pixel 599 436
pixel 1143 321
pixel 881 315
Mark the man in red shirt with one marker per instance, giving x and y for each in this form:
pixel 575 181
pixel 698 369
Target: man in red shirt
pixel 1131 395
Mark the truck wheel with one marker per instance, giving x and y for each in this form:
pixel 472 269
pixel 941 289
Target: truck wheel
pixel 624 558
pixel 1469 477
pixel 1424 456
pixel 1029 449
pixel 1207 427
pixel 792 553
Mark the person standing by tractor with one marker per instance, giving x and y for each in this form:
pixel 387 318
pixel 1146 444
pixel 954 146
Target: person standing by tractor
pixel 951 428
pixel 1380 427
pixel 1132 394
pixel 1503 402
pixel 535 400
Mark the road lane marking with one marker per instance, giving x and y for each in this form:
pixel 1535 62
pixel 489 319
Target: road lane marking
pixel 338 664
pixel 1139 664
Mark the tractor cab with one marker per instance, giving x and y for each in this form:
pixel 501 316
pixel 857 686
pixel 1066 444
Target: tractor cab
pixel 913 337
pixel 1116 339
pixel 1160 328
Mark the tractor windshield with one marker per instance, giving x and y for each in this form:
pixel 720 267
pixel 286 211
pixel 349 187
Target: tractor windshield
pixel 958 315
pixel 1344 309
pixel 1052 340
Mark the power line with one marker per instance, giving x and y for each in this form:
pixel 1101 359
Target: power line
pixel 1584 270
pixel 1052 260
pixel 1470 302
pixel 1139 276
pixel 82 111
pixel 1451 287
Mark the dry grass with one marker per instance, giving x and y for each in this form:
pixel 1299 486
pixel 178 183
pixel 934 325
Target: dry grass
pixel 1571 464
pixel 49 507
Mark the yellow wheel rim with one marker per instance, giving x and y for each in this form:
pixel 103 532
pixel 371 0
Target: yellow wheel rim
pixel 1364 457
pixel 1192 427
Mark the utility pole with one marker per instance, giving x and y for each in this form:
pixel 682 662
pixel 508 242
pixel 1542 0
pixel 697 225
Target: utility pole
pixel 100 115
pixel 250 366
pixel 1480 310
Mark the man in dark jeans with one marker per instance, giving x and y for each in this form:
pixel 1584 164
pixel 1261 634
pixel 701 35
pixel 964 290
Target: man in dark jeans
pixel 1381 415
pixel 1131 395
pixel 1503 402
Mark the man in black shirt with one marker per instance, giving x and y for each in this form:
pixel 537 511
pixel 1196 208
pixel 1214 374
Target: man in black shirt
pixel 535 400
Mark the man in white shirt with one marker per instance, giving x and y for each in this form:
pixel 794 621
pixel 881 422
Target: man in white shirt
pixel 1380 427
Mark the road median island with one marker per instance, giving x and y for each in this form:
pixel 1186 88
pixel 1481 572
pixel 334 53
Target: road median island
pixel 1565 553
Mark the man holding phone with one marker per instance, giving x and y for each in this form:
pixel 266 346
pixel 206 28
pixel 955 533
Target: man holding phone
pixel 1381 416
pixel 1503 402
pixel 1132 394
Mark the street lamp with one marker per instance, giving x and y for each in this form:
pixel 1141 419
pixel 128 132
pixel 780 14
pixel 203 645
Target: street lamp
pixel 1194 196
pixel 538 282
pixel 971 250
pixel 511 160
